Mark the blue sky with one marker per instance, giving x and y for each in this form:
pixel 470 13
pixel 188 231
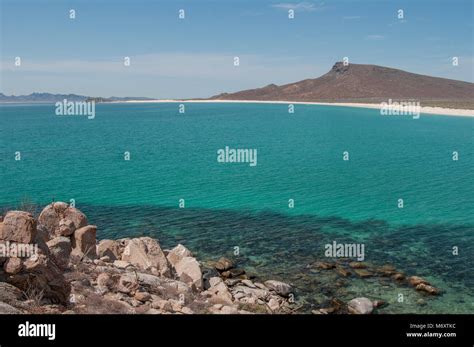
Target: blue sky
pixel 173 58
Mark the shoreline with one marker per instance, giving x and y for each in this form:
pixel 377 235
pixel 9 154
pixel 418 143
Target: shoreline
pixel 426 110
pixel 137 276
pixel 429 110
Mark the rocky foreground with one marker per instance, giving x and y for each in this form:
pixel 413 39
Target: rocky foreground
pixel 72 272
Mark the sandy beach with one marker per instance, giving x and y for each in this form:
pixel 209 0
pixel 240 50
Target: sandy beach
pixel 423 110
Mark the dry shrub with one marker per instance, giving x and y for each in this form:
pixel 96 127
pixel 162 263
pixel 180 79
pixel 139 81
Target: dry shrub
pixel 28 205
pixel 97 304
pixel 35 296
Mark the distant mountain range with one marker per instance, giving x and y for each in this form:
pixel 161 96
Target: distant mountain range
pixel 365 83
pixel 52 98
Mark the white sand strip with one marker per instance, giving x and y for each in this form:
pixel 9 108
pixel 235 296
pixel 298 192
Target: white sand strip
pixel 424 109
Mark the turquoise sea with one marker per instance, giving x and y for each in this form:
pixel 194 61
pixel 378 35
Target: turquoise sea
pixel 300 156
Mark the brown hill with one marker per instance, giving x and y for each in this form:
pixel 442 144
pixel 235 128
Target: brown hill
pixel 366 83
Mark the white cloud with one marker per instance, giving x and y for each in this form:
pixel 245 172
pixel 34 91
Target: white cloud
pixel 351 17
pixel 299 6
pixel 375 37
pixel 162 64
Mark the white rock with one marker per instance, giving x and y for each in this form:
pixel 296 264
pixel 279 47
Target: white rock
pixel 239 296
pixel 187 310
pixel 189 271
pixel 8 309
pixel 121 264
pixel 178 253
pixel 109 248
pixel 219 294
pixel 214 281
pixel 260 285
pixel 229 310
pixel 249 283
pixel 146 253
pixel 127 283
pixel 273 304
pixel 280 288
pixel 360 306
pixel 252 292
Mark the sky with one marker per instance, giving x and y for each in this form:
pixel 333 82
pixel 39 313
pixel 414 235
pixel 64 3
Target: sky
pixel 194 57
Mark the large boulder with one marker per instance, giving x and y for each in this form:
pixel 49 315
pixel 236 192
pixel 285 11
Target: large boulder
pixel 146 253
pixel 60 219
pixel 427 288
pixel 360 306
pixel 415 280
pixel 149 281
pixel 9 294
pixel 109 248
pixel 280 288
pixel 162 285
pixel 18 226
pixel 84 242
pixel 8 309
pixel 224 264
pixel 178 253
pixel 189 271
pixel 60 249
pixel 218 292
pixel 42 276
pixel 127 283
pixel 257 293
